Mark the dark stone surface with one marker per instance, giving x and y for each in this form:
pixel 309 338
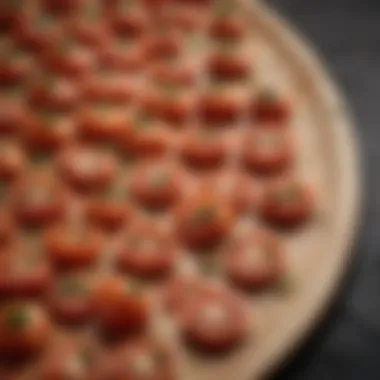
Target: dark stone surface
pixel 347 343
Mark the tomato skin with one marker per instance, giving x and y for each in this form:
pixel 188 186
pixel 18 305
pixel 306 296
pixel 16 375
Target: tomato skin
pixel 213 338
pixel 71 308
pixel 91 34
pixel 109 216
pixel 29 284
pixel 276 161
pixel 165 74
pixel 160 260
pixel 71 252
pixel 42 97
pixel 256 278
pixel 62 6
pixel 68 63
pixel 155 196
pixel 219 108
pixel 151 142
pixel 29 339
pixel 98 173
pixel 230 67
pixel 117 310
pixel 287 215
pixel 132 24
pixel 44 211
pixel 12 161
pixel 129 61
pixel 207 155
pixel 162 47
pixel 7 227
pixel 8 18
pixel 11 74
pixel 46 136
pixel 94 127
pixel 26 36
pixel 13 117
pixel 199 233
pixel 274 110
pixel 231 28
pixel 176 110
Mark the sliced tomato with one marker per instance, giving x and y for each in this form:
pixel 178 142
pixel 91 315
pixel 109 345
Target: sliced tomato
pixel 68 360
pixel 147 251
pixel 242 191
pixel 102 122
pixel 204 149
pixel 24 273
pixel 205 220
pixel 7 226
pixel 36 34
pixel 12 160
pixel 171 104
pixel 119 307
pixel 215 322
pixel 269 151
pixel 87 169
pixel 70 298
pixel 107 88
pixel 47 132
pixel 230 28
pixel 38 199
pixel 270 108
pixel 148 138
pixel 288 202
pixel 13 115
pixel 140 358
pixel 255 261
pixel 73 245
pixel 54 94
pixel 24 329
pixel 221 104
pixel 126 54
pixel 69 59
pixel 183 289
pixel 62 6
pixel 131 23
pixel 228 66
pixel 15 69
pixel 110 210
pixel 173 74
pixel 162 46
pixel 156 185
pixel 9 14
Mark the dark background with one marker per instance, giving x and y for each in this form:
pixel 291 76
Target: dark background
pixel 347 34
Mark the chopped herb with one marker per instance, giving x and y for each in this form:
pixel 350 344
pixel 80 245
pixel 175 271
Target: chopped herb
pixel 18 318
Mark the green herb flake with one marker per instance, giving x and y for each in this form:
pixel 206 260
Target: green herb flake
pixel 17 318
